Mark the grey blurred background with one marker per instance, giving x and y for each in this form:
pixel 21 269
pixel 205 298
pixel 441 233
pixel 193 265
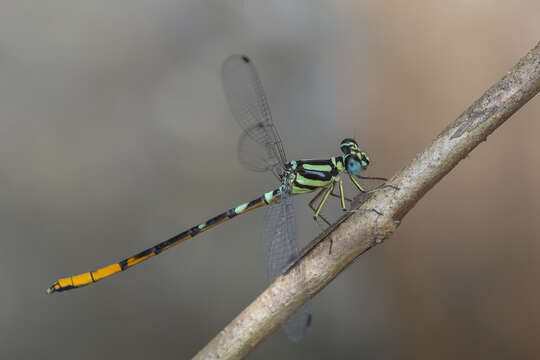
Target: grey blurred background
pixel 115 135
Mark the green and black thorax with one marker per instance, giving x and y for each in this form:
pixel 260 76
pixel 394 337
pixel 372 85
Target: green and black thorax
pixel 304 176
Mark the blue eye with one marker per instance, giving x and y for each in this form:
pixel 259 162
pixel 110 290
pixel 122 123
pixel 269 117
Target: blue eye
pixel 353 166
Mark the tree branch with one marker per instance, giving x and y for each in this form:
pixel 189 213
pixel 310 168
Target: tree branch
pixel 355 234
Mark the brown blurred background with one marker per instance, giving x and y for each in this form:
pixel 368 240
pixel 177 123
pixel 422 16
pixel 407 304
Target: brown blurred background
pixel 115 135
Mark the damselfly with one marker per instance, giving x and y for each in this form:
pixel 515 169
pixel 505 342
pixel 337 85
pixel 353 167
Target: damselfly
pixel 250 108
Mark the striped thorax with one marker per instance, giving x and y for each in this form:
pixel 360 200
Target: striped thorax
pixel 304 176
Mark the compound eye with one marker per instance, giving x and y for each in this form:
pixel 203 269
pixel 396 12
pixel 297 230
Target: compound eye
pixel 353 165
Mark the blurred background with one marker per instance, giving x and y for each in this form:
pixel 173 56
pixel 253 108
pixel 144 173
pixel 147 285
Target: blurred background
pixel 115 135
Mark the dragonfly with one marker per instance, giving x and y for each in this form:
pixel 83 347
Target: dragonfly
pixel 260 149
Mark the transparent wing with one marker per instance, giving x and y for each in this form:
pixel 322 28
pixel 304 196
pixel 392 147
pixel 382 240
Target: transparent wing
pixel 281 248
pixel 250 108
pixel 260 149
pixel 255 157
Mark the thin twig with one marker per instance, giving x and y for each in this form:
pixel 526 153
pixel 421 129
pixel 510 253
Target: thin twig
pixel 357 233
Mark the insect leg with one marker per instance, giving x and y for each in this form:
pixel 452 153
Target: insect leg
pixel 358 186
pixel 342 196
pixel 312 206
pixel 327 193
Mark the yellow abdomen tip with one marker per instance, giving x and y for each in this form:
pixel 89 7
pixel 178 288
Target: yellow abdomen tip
pixel 51 288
